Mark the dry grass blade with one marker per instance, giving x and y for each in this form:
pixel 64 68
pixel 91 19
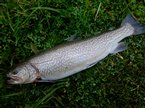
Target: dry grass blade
pixel 96 15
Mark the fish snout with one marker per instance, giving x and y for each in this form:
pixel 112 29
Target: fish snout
pixel 13 79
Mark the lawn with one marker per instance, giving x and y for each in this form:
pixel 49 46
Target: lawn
pixel 28 27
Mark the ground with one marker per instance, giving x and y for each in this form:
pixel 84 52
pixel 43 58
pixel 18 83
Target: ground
pixel 30 27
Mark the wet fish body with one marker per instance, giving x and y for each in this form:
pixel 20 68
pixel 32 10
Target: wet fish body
pixel 66 60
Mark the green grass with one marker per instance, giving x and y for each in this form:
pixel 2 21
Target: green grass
pixel 31 26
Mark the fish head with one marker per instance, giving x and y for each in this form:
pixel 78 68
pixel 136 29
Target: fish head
pixel 22 74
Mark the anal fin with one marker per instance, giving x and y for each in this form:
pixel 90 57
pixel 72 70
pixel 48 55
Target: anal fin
pixel 120 47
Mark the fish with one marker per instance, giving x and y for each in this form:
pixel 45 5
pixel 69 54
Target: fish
pixel 68 59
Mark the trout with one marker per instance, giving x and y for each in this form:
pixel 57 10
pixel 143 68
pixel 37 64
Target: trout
pixel 65 60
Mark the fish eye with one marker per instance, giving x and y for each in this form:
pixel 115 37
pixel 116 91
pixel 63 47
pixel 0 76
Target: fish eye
pixel 15 72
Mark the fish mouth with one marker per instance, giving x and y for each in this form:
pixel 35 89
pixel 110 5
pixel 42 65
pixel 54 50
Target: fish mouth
pixel 12 79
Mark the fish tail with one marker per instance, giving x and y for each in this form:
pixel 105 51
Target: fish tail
pixel 138 28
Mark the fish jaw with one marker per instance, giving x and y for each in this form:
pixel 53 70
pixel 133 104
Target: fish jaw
pixel 14 79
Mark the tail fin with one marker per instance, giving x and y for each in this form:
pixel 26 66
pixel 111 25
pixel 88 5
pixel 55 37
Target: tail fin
pixel 138 28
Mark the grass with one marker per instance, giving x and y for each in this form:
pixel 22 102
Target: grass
pixel 29 27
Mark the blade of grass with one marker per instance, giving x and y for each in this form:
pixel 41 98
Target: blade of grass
pixel 49 94
pixel 11 95
pixel 9 21
pixel 97 11
pixel 46 8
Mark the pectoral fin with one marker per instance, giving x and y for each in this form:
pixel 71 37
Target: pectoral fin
pixel 42 80
pixel 120 47
pixel 46 81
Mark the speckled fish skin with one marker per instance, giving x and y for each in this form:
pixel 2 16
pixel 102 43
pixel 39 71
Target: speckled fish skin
pixel 72 58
